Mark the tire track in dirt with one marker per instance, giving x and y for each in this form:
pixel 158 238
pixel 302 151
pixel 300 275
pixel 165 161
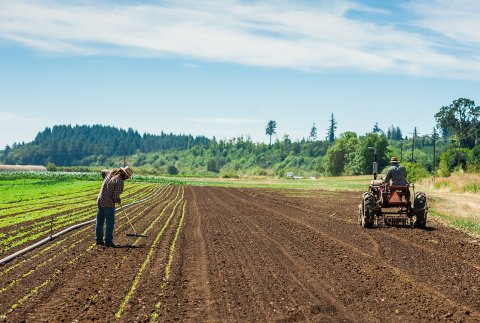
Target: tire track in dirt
pixel 457 284
pixel 460 256
pixel 218 254
pixel 322 304
pixel 188 295
pixel 232 267
pixel 421 287
pixel 240 271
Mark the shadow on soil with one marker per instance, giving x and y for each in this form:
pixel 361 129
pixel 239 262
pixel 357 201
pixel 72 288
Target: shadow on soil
pixel 126 246
pixel 428 229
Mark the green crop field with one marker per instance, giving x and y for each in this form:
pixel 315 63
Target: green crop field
pixel 32 207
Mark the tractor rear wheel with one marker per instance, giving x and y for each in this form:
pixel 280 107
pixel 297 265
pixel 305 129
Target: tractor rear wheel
pixel 420 209
pixel 367 210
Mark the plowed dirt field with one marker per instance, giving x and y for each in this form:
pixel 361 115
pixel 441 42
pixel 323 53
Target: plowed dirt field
pixel 226 254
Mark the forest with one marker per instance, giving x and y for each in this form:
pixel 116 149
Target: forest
pixel 451 146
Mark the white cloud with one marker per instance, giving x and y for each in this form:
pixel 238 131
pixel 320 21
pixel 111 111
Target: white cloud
pixel 458 20
pixel 280 34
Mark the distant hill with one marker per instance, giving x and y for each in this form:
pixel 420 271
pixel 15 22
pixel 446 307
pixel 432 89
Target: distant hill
pixel 90 147
pixel 82 145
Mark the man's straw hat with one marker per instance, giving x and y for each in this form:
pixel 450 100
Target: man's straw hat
pixel 394 160
pixel 127 171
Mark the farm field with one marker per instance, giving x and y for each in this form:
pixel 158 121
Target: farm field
pixel 246 254
pixel 31 208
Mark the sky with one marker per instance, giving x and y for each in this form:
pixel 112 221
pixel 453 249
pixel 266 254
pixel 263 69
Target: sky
pixel 225 68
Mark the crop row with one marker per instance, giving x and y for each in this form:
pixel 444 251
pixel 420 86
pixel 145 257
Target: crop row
pixel 154 316
pixel 150 252
pixel 41 210
pixel 85 176
pixel 137 210
pixel 50 196
pixel 31 291
pixel 138 213
pixel 23 190
pixel 36 225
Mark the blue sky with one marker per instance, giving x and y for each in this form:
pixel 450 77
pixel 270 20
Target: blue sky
pixel 225 68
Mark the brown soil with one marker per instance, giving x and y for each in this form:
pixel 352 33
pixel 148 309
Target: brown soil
pixel 248 255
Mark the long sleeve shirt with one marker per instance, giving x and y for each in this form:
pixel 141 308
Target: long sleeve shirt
pixel 111 189
pixel 398 175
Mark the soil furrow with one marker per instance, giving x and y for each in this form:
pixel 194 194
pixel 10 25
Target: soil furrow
pixel 235 255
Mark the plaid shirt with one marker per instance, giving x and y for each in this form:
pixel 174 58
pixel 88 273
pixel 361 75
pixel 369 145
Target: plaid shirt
pixel 111 189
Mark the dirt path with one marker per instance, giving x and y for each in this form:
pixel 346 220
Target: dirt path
pixel 223 254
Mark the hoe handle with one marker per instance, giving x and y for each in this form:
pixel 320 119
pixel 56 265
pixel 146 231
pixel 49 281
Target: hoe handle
pixel 128 219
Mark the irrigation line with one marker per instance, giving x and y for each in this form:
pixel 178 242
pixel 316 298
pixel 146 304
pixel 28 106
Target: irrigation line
pixel 14 282
pixel 54 236
pixel 163 189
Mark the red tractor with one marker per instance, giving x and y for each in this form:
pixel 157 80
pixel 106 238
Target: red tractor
pixel 391 205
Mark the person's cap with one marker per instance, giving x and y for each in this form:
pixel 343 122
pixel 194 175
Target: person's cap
pixel 127 171
pixel 393 160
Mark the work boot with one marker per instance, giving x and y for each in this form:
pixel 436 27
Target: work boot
pixel 110 245
pixel 100 243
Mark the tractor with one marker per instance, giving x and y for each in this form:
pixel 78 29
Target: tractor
pixel 389 205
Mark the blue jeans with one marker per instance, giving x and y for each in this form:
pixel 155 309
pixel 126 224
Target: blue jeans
pixel 108 214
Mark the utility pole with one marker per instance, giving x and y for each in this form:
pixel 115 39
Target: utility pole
pixel 415 133
pixel 476 137
pixel 124 154
pixel 401 150
pixel 434 137
pixel 375 165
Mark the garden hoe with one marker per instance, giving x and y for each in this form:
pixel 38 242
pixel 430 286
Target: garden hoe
pixel 134 234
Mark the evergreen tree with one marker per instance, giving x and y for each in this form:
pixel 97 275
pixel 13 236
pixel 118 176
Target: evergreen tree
pixel 331 129
pixel 313 132
pixel 376 129
pixel 398 134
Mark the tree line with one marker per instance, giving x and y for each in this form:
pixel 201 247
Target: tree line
pixel 452 145
pixel 67 145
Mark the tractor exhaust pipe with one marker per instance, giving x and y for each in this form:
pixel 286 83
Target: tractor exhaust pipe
pixel 375 164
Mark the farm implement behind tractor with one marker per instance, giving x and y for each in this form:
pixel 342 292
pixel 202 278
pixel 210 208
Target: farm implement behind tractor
pixel 389 205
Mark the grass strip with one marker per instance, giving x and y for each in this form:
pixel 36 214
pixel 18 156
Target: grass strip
pixel 470 226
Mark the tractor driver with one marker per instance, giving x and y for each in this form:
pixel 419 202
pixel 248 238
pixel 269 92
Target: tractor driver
pixel 396 173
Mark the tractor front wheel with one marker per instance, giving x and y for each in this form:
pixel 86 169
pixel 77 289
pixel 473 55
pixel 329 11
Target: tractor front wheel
pixel 420 209
pixel 367 212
